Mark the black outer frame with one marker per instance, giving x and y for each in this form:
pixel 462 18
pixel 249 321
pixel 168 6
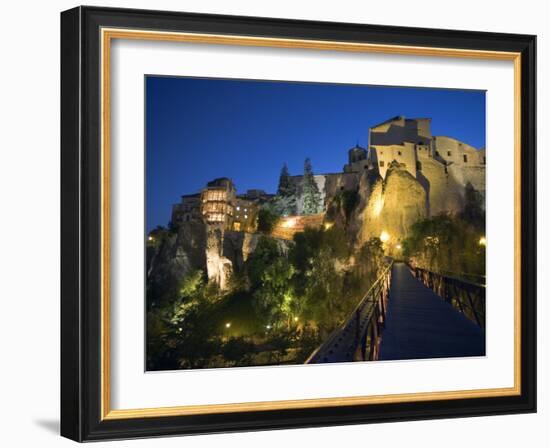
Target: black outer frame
pixel 80 224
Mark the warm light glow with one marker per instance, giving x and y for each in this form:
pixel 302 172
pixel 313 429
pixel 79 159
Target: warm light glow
pixel 228 325
pixel 398 246
pixel 268 327
pixel 384 236
pixel 483 241
pixel 295 319
pixel 328 225
pixel 291 222
pixel 150 238
pixel 378 206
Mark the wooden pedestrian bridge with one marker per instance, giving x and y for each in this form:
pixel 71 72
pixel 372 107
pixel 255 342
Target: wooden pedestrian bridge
pixel 411 313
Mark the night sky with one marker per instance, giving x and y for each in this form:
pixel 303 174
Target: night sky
pixel 200 129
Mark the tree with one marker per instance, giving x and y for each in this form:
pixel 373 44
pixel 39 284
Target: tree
pixel 273 289
pixel 310 191
pixel 285 184
pixel 370 259
pixel 446 243
pixel 474 212
pixel 267 219
pixel 266 252
pixel 285 201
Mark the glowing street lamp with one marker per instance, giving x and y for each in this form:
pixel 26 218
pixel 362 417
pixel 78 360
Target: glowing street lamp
pixel 483 241
pixel 150 238
pixel 384 236
pixel 228 325
pixel 398 246
pixel 296 319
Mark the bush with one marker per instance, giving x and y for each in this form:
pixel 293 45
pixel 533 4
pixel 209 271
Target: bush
pixel 267 219
pixel 445 243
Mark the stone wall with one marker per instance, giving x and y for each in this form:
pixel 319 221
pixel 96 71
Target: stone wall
pixel 383 156
pixel 289 225
pixel 444 192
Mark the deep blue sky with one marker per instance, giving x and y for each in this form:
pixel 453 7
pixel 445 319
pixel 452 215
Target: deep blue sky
pixel 200 129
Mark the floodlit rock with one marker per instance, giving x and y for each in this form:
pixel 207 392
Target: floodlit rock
pixel 394 204
pixel 218 267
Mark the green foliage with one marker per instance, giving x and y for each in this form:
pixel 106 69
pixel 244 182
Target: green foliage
pixel 308 245
pixel 474 208
pixel 281 306
pixel 370 258
pixel 267 219
pixel 319 258
pixel 273 289
pixel 286 186
pixel 270 273
pixel 310 191
pixel 445 243
pixel 192 283
pixel 238 351
pixel 285 201
pixel 267 251
pixel 323 290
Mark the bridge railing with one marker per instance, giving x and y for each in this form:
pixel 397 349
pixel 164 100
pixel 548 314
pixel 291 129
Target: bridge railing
pixel 359 337
pixel 468 297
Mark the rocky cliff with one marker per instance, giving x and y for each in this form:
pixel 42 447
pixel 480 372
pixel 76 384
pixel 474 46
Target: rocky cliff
pixel 174 255
pixel 390 206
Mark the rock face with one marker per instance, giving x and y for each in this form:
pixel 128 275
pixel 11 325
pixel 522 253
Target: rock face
pixel 218 267
pixel 177 255
pixel 237 247
pixel 390 206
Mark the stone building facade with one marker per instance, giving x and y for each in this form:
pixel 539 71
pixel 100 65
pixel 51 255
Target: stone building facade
pixel 219 205
pixel 188 209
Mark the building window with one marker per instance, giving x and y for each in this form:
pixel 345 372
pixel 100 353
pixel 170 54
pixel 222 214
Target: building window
pixel 449 153
pixel 215 217
pixel 366 167
pixel 465 158
pixel 418 166
pixel 215 195
pixel 483 160
pixel 237 226
pixel 398 153
pixel 381 163
pixel 437 153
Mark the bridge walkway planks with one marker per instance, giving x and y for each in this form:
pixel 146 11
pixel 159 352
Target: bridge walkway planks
pixel 419 324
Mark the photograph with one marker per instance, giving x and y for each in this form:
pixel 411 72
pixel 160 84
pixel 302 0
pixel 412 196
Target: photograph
pixel 293 223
